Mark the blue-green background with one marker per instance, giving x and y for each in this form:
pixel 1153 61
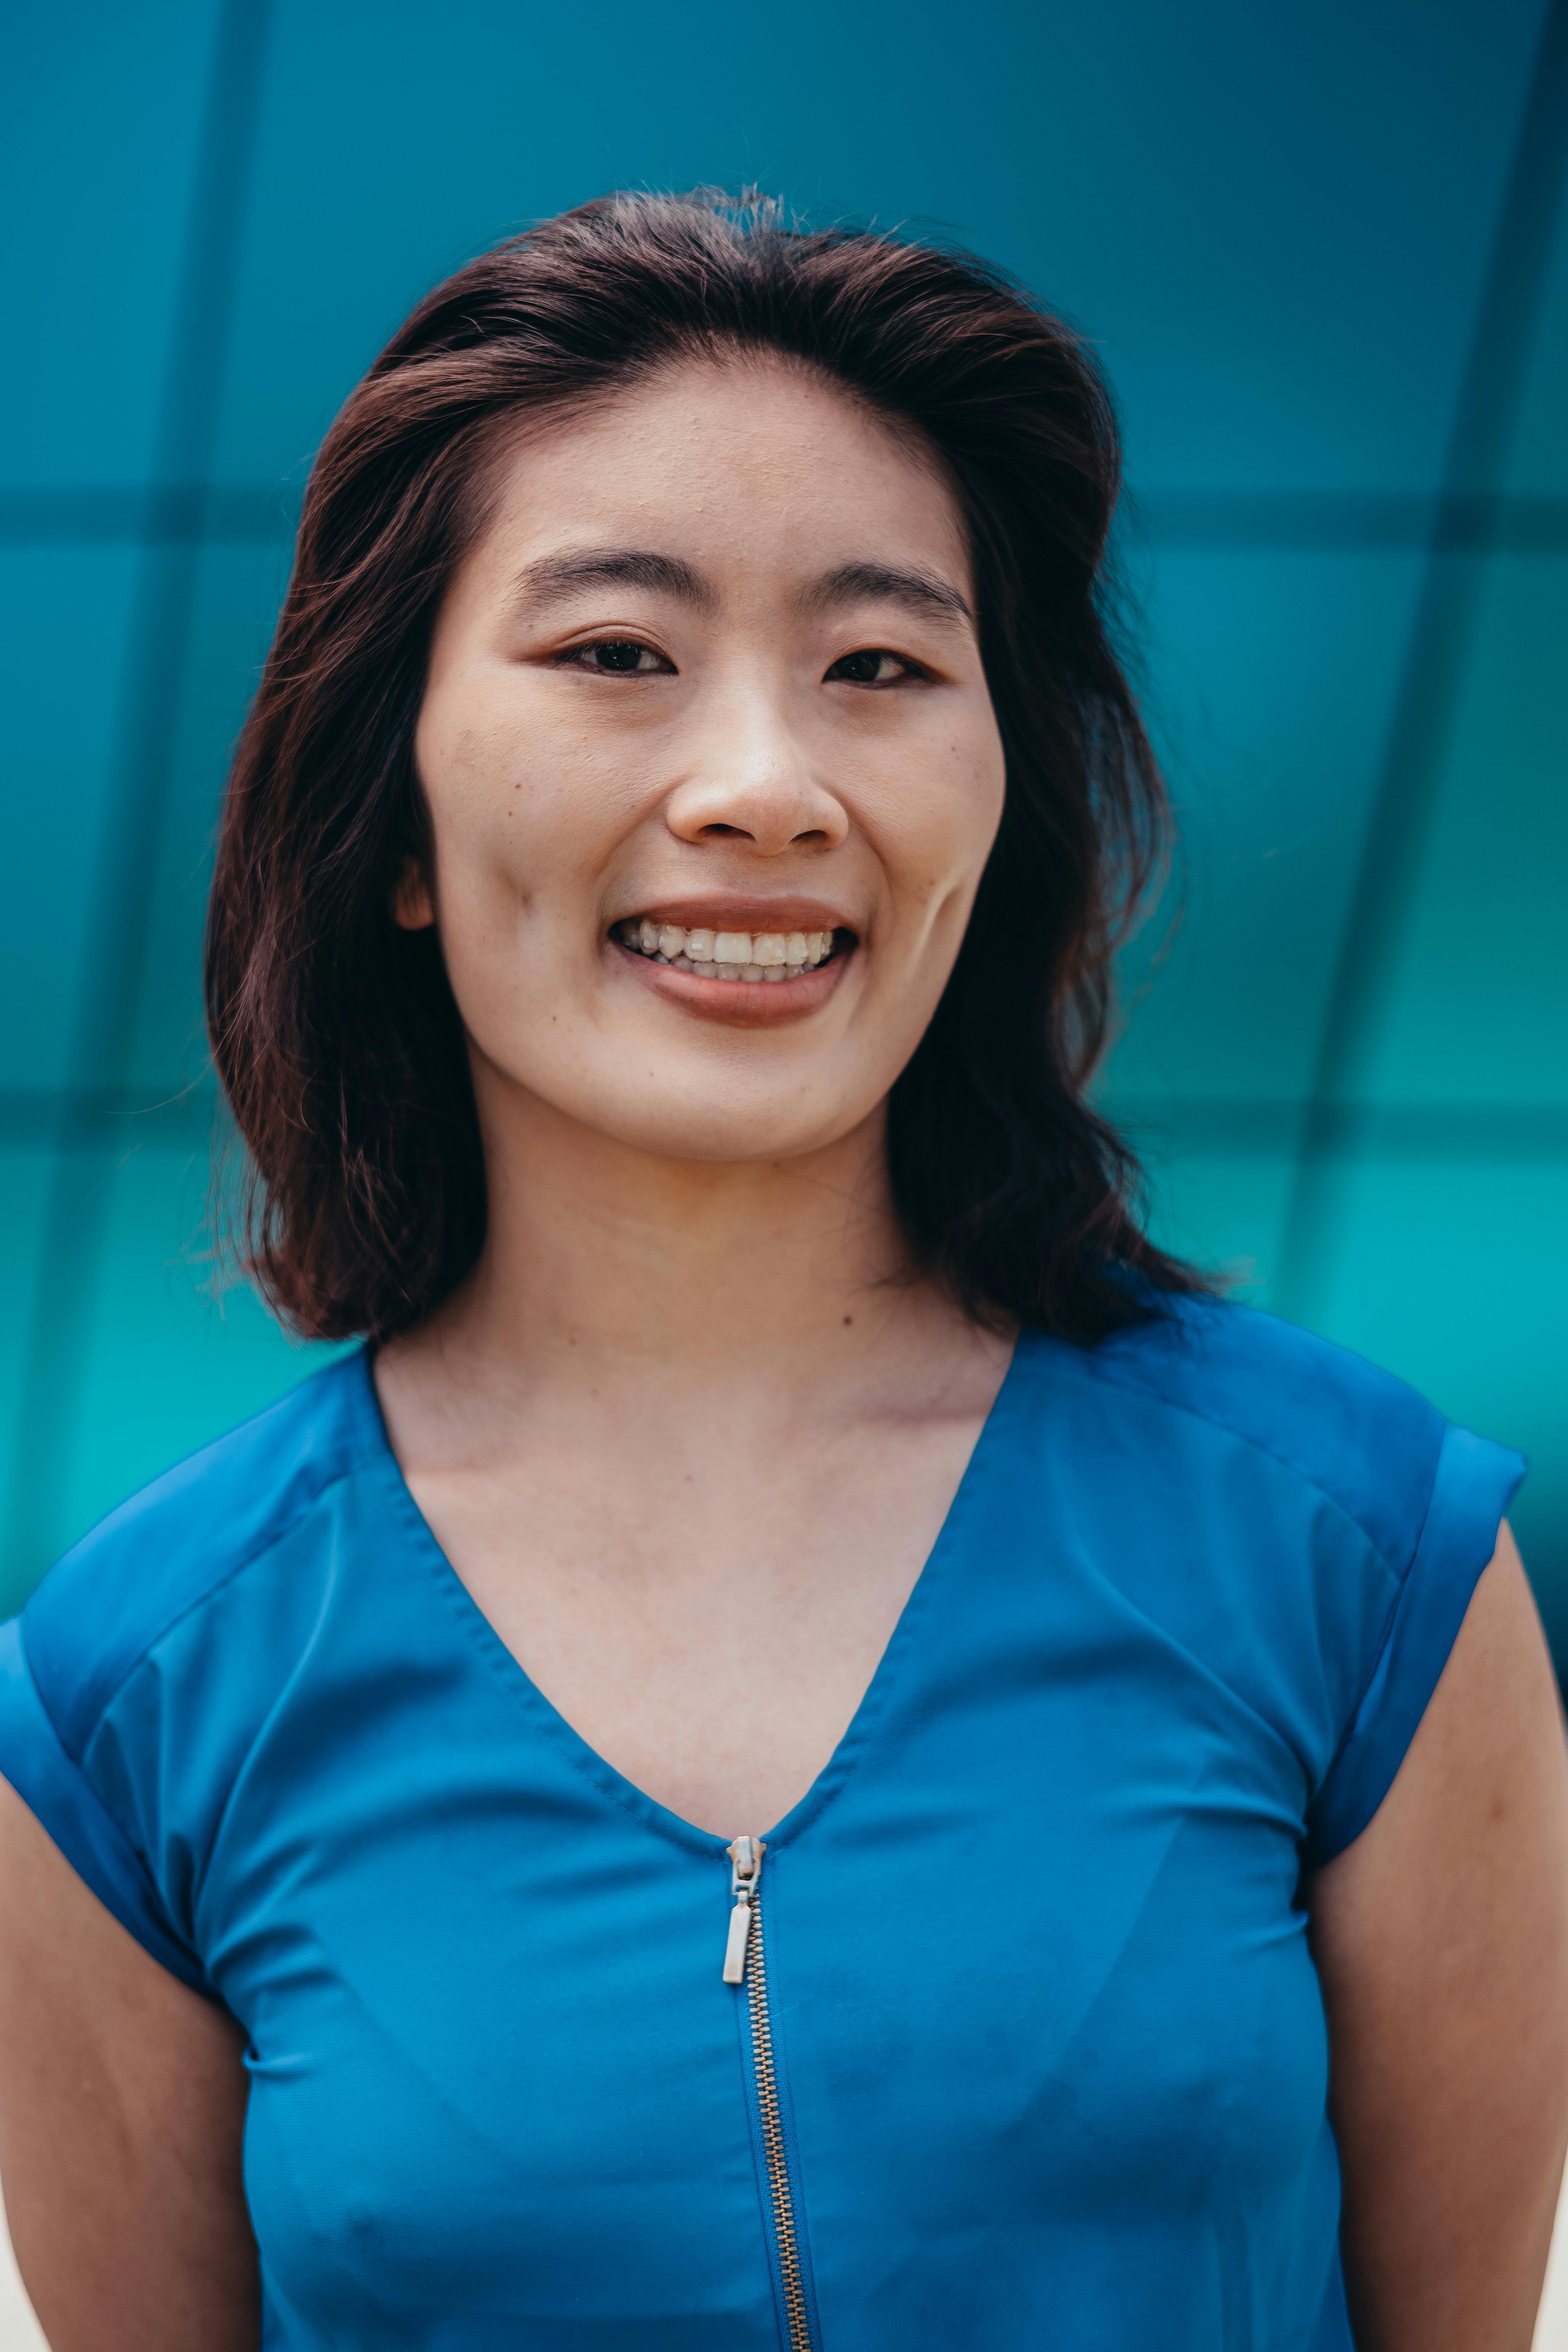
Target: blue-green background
pixel 1321 252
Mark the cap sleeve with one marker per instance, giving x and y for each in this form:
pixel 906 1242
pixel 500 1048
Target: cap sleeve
pixel 1471 1489
pixel 55 1789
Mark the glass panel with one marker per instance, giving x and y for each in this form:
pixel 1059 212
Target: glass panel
pixel 238 589
pixel 64 613
pixel 1539 467
pixel 1481 1013
pixel 167 1366
pixel 100 144
pixel 1271 220
pixel 1223 1210
pixel 1273 678
pixel 1453 1273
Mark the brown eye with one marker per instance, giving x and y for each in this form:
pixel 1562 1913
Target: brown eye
pixel 617 657
pixel 871 667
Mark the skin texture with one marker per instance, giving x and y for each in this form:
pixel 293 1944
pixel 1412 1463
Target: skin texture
pixel 1441 1937
pixel 122 2105
pixel 695 1365
pixel 694 1245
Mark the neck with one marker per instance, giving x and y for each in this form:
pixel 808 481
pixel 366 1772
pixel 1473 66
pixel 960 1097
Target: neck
pixel 603 1265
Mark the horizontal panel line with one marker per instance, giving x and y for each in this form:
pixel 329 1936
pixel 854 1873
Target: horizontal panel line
pixel 1392 523
pixel 1240 521
pixel 114 1117
pixel 1274 1129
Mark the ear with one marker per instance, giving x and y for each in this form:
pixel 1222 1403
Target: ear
pixel 411 908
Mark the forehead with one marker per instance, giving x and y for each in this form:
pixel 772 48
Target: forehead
pixel 752 465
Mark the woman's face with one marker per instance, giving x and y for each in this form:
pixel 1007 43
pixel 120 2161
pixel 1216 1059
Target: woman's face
pixel 708 684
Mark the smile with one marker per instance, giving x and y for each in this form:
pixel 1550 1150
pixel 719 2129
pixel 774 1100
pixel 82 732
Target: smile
pixel 756 956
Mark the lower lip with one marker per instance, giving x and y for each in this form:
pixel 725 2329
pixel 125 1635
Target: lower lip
pixel 740 1004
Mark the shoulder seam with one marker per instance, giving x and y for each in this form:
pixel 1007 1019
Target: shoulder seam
pixel 198 1600
pixel 1244 1437
pixel 1384 1638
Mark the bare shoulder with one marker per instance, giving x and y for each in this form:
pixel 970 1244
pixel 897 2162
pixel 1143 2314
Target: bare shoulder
pixel 1485 1769
pixel 121 2110
pixel 1441 1936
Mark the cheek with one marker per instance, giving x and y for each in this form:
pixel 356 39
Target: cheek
pixel 512 799
pixel 984 765
pixel 939 818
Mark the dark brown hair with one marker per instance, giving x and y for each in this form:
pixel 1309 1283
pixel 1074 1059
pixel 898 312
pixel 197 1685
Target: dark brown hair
pixel 335 1032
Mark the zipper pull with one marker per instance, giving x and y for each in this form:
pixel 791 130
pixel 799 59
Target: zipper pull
pixel 746 1859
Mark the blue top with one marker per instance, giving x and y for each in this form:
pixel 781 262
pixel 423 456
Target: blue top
pixel 1030 2047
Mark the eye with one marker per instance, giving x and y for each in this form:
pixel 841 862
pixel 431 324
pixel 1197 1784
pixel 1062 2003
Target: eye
pixel 615 657
pixel 873 668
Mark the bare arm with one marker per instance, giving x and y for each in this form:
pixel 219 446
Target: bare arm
pixel 122 2108
pixel 1441 1939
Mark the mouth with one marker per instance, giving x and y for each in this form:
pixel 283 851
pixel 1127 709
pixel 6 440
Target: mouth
pixel 733 958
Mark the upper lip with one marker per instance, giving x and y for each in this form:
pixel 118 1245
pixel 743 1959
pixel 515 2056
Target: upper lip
pixel 738 912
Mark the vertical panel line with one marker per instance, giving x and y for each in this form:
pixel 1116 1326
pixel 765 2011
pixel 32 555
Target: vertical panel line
pixel 109 981
pixel 1442 631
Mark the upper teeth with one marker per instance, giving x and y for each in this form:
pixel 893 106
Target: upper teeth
pixel 728 955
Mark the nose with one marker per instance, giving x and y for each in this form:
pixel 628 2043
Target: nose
pixel 753 782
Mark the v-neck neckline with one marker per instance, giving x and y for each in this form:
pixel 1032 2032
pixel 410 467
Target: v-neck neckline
pixel 610 1781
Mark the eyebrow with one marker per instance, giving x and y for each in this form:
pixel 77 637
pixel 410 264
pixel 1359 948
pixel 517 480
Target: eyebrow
pixel 613 567
pixel 667 575
pixel 853 583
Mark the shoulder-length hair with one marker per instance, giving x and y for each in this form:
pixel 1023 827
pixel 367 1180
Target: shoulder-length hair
pixel 336 1033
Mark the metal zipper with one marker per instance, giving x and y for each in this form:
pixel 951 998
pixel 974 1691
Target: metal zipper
pixel 745 1963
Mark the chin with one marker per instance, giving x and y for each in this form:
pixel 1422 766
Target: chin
pixel 710 1123
pixel 736 1101
pixel 730 1140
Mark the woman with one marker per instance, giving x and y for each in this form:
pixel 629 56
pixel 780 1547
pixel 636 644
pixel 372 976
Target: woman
pixel 814 1747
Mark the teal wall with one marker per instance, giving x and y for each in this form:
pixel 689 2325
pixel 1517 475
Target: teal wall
pixel 1321 248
